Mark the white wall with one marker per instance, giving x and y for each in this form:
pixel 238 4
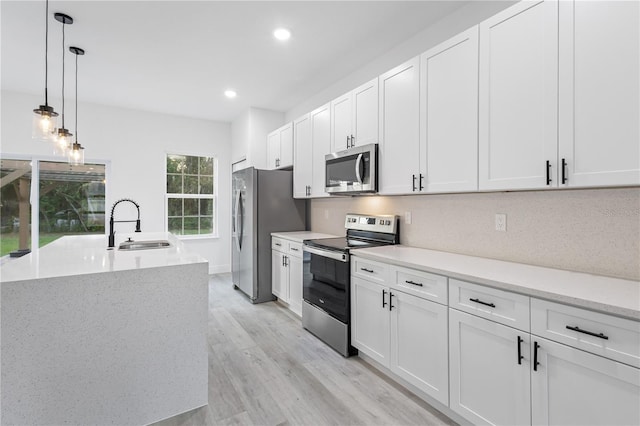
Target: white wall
pixel 135 143
pixel 458 21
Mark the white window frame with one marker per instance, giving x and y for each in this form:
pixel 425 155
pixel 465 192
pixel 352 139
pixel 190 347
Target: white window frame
pixel 214 234
pixel 34 196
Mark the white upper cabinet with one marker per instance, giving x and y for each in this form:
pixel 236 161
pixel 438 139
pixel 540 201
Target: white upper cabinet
pixel 320 123
pixel 280 147
pixel 599 93
pixel 449 115
pixel 518 119
pixel 303 158
pixel 399 148
pixel 355 117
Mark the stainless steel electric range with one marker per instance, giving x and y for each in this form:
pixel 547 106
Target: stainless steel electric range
pixel 326 291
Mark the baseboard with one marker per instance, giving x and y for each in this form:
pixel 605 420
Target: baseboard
pixel 443 409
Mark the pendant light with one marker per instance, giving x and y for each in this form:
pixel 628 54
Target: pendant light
pixel 63 136
pixel 76 153
pixel 44 119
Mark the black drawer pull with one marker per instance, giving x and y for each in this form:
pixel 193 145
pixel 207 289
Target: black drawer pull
pixel 414 283
pixel 535 356
pixel 294 249
pixel 367 270
pixel 520 357
pixel 590 333
pixel 483 303
pixel 278 244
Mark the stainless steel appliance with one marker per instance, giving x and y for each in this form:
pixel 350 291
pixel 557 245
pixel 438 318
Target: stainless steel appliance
pixel 262 203
pixel 326 291
pixel 352 171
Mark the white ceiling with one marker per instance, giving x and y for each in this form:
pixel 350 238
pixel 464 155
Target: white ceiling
pixel 178 57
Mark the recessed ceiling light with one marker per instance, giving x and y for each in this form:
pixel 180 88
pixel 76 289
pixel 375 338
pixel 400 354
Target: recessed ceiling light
pixel 230 93
pixel 282 34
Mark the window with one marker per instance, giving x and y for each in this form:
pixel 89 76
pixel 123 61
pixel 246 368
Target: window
pixel 64 200
pixel 191 195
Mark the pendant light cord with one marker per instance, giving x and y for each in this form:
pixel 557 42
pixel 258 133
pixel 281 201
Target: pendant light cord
pixel 76 97
pixel 63 24
pixel 46 53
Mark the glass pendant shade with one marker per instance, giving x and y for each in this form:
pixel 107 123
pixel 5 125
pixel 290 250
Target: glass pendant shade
pixel 76 154
pixel 44 124
pixel 62 142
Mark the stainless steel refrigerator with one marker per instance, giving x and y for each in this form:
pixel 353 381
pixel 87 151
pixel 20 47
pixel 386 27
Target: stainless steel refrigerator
pixel 262 203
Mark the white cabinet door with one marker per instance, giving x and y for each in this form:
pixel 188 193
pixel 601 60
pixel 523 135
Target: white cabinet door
pixel 364 122
pixel 419 342
pixel 399 149
pixel 449 115
pixel 518 97
pixel 341 123
pixel 370 319
pixel 303 157
pixel 295 284
pixel 279 276
pixel 286 146
pixel 321 146
pixel 600 92
pixel 570 386
pixel 487 384
pixel 273 149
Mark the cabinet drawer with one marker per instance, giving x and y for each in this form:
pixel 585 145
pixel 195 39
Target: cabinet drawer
pixel 369 269
pixel 422 284
pixel 601 334
pixel 295 249
pixel 278 244
pixel 496 305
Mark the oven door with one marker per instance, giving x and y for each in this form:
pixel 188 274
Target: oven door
pixel 352 171
pixel 326 281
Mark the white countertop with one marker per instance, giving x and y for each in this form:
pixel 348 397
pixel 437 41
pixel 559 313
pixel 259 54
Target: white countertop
pixel 300 236
pixel 88 254
pixel 609 295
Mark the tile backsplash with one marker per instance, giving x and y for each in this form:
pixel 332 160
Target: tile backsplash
pixel 591 230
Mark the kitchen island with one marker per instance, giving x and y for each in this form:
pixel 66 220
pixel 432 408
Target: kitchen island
pixel 97 336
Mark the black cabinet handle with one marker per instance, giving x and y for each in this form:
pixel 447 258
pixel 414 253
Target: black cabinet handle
pixel 548 173
pixel 483 303
pixel 278 244
pixel 384 303
pixel 367 270
pixel 535 356
pixel 414 182
pixel 294 249
pixel 353 141
pixel 590 333
pixel 413 282
pixel 420 184
pixel 391 301
pixel 564 167
pixel 520 357
pixel 282 260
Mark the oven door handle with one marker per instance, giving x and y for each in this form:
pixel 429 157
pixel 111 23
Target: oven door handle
pixel 342 257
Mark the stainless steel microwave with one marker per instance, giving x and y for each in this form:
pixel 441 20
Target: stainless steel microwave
pixel 352 171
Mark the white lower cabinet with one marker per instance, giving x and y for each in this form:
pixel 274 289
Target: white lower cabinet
pixel 286 272
pixel 402 332
pixel 570 386
pixel 489 381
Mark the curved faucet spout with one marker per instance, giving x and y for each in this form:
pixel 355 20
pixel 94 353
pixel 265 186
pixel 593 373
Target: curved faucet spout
pixel 112 233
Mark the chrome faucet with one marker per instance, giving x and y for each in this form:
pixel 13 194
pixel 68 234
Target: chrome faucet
pixel 112 233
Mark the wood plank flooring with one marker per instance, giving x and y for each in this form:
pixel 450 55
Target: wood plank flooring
pixel 265 369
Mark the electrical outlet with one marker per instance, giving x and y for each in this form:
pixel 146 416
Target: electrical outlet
pixel 407 218
pixel 501 222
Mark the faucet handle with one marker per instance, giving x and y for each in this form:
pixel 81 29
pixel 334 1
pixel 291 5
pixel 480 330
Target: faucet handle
pixel 129 240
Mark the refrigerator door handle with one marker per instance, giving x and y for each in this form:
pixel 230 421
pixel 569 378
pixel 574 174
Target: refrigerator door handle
pixel 237 226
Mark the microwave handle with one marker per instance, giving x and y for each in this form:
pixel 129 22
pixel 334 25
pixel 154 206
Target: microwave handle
pixel 359 169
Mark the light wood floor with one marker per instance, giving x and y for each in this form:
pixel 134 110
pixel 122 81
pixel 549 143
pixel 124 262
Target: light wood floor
pixel 265 369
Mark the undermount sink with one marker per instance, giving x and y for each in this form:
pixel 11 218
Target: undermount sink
pixel 144 245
